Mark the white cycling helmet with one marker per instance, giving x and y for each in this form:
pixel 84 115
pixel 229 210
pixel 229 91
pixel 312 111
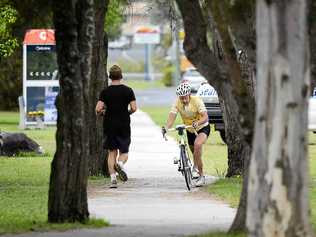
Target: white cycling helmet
pixel 183 89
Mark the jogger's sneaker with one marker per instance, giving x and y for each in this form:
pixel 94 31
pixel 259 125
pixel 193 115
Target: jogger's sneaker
pixel 195 173
pixel 200 182
pixel 122 174
pixel 113 184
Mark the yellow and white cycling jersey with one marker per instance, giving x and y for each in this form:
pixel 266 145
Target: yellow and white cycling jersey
pixel 190 112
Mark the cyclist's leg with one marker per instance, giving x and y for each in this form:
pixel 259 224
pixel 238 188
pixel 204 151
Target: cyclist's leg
pixel 191 138
pixel 198 144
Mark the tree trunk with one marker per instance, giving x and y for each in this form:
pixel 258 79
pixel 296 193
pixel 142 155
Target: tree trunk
pixel 278 184
pixel 97 157
pixel 74 34
pixel 312 40
pixel 236 144
pixel 233 30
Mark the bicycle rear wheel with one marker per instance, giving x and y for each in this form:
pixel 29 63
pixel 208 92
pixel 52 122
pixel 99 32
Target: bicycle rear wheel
pixel 186 167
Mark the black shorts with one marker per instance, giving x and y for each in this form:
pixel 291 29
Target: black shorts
pixel 114 142
pixel 191 136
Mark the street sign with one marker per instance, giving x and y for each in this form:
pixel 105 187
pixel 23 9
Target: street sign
pixel 147 35
pixel 40 84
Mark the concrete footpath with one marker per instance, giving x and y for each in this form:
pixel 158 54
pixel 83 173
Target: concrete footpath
pixel 154 201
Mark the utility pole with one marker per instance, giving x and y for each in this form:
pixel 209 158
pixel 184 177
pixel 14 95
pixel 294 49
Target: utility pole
pixel 175 48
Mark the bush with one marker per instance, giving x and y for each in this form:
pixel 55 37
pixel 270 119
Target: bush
pixel 167 75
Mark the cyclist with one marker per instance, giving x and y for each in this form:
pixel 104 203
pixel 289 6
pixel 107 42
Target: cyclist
pixel 113 103
pixel 193 112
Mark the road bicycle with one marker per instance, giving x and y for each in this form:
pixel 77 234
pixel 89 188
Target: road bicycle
pixel 185 165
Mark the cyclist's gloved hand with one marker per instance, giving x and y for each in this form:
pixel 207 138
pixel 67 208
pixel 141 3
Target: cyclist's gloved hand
pixel 195 124
pixel 163 131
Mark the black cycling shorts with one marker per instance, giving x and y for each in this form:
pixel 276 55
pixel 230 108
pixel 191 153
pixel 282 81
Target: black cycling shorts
pixel 114 142
pixel 191 136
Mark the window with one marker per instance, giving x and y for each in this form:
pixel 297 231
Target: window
pixel 41 62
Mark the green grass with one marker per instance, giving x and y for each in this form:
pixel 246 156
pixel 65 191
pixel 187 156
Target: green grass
pixel 227 189
pixel 141 84
pixel 24 184
pixel 24 180
pixel 220 235
pixel 8 118
pixel 215 163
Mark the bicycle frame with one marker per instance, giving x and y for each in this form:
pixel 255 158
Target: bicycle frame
pixel 185 165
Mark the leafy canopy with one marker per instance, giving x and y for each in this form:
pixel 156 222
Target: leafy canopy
pixel 115 18
pixel 8 43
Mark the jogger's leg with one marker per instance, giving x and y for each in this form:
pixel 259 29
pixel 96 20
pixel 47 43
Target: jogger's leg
pixel 119 167
pixel 123 157
pixel 111 161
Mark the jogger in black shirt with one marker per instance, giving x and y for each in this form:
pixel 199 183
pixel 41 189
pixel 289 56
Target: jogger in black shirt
pixel 117 102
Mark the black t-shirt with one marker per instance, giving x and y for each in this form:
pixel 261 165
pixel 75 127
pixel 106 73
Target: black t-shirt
pixel 116 119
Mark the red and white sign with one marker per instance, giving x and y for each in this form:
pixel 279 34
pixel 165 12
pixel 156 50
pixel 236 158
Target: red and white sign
pixel 40 36
pixel 147 35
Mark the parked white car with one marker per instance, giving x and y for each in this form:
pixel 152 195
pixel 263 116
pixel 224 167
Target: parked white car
pixel 121 43
pixel 194 78
pixel 312 114
pixel 210 98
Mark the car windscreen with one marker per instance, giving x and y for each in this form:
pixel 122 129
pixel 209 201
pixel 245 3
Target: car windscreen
pixel 192 74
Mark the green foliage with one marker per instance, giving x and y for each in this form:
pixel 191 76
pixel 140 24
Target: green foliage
pixel 141 84
pixel 10 81
pixel 167 75
pixel 114 18
pixel 30 14
pixel 8 43
pixel 166 40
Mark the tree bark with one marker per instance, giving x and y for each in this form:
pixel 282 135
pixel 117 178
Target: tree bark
pixel 278 184
pixel 233 30
pixel 97 156
pixel 312 40
pixel 234 141
pixel 74 34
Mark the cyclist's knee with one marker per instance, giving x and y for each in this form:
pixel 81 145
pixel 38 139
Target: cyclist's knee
pixel 197 145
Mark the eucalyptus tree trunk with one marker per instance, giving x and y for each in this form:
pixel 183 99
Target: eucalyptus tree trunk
pixel 312 40
pixel 97 156
pixel 74 24
pixel 234 140
pixel 278 176
pixel 229 26
pixel 233 31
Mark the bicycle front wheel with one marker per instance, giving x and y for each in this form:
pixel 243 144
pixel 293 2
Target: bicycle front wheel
pixel 186 167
